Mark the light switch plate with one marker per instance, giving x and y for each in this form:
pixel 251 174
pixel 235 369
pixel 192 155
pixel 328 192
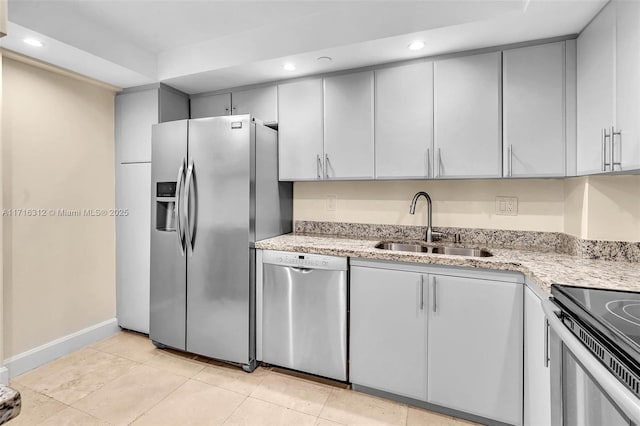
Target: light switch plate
pixel 507 206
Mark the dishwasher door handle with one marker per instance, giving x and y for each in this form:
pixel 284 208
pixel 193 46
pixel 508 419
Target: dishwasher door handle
pixel 301 270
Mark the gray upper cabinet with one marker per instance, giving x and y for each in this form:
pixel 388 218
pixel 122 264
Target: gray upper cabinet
pixel 608 90
pixel 404 121
pixel 537 376
pixel 596 98
pixel 261 102
pixel 626 145
pixel 135 113
pixel 467 117
pixel 211 105
pixel 475 346
pixel 534 111
pixel 388 331
pixel 300 137
pixel 348 126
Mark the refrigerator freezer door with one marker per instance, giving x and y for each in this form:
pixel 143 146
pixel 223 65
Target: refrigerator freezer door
pixel 168 263
pixel 219 285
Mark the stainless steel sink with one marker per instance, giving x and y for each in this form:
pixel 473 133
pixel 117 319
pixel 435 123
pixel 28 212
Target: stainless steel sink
pixel 423 248
pixel 461 251
pixel 395 246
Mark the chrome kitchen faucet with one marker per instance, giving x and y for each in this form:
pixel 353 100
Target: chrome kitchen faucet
pixel 429 237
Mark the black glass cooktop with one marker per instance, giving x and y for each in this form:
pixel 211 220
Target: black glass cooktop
pixel 614 314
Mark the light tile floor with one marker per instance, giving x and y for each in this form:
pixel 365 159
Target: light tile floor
pixel 125 380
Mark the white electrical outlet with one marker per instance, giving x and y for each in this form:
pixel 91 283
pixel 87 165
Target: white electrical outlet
pixel 332 203
pixel 507 206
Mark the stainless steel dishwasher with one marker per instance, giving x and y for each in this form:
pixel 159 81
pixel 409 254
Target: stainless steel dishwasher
pixel 304 314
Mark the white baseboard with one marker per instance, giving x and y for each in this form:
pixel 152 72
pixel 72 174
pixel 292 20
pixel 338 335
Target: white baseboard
pixel 55 349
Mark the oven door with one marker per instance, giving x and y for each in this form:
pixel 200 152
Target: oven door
pixel 583 391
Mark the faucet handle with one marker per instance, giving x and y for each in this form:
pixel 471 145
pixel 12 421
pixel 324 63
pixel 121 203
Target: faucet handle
pixel 436 236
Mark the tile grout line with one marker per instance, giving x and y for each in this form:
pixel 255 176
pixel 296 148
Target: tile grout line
pixel 235 409
pixel 159 401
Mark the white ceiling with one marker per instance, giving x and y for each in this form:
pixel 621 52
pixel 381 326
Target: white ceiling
pixel 200 46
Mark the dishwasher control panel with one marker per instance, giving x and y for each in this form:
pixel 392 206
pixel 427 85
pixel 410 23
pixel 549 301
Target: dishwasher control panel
pixel 304 260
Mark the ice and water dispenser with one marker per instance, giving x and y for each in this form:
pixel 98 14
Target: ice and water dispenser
pixel 165 206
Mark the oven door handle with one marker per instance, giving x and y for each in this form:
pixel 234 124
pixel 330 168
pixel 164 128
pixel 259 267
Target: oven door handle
pixel 619 394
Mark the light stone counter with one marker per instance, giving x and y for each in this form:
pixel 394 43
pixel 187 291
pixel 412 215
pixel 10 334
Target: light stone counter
pixel 543 268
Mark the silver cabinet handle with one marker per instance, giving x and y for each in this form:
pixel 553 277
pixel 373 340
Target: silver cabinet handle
pixel 178 216
pixel 326 166
pixel 318 166
pixel 546 342
pixel 435 294
pixel 187 188
pixel 439 159
pixel 612 155
pixel 421 292
pixel 604 138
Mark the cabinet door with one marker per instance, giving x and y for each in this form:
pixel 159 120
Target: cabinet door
pixel 537 377
pixel 174 105
pixel 348 126
pixel 135 113
pixel 388 331
pixel 596 100
pixel 627 145
pixel 534 111
pixel 262 103
pixel 404 121
pixel 475 347
pixel 300 130
pixel 467 116
pixel 133 236
pixel 211 105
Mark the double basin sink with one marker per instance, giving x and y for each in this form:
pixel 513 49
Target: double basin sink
pixel 424 248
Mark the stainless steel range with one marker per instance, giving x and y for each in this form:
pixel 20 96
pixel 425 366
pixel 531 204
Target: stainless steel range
pixel 596 345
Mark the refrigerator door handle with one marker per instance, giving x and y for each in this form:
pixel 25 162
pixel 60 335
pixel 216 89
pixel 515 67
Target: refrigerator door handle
pixel 177 209
pixel 187 214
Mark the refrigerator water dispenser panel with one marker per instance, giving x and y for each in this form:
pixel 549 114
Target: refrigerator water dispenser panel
pixel 166 189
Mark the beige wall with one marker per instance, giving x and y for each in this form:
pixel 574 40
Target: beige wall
pixel 455 203
pixel 57 153
pixel 597 207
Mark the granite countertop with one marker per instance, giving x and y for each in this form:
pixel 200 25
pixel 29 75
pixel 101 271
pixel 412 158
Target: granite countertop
pixel 542 267
pixel 10 403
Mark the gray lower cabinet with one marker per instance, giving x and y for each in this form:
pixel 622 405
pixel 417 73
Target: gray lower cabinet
pixel 452 337
pixel 475 346
pixel 537 374
pixel 388 331
pixel 133 245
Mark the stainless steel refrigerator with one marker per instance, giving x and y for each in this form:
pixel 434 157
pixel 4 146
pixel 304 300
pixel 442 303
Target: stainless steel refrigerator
pixel 215 192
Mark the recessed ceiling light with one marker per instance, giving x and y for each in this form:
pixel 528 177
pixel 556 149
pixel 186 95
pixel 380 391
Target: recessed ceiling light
pixel 325 59
pixel 416 45
pixel 33 42
pixel 289 66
